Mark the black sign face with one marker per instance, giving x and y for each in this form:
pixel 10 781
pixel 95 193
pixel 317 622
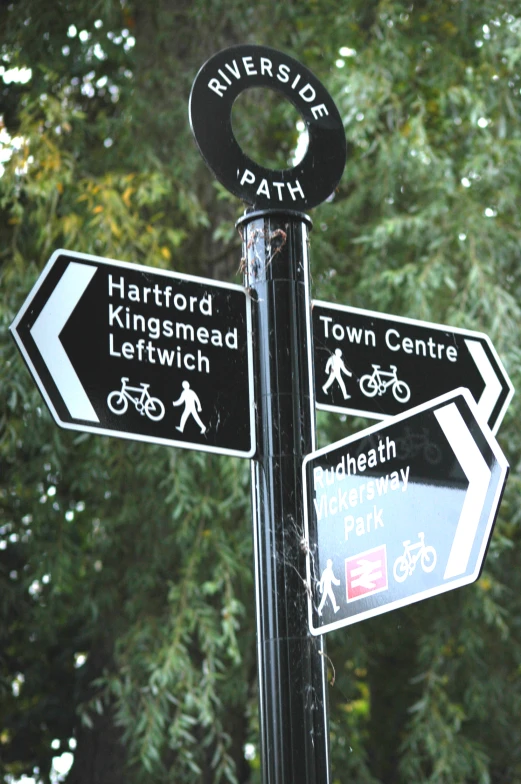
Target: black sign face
pixel 140 353
pixel 377 365
pixel 400 512
pixel 221 79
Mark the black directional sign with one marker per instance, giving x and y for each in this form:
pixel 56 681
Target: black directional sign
pixel 400 512
pixel 141 353
pixel 378 365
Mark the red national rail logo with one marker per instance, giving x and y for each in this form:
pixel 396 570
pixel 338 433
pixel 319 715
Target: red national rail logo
pixel 366 573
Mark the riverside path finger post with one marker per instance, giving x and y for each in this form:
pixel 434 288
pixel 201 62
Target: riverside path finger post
pixel 291 661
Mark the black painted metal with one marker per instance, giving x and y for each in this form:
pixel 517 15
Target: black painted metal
pixel 216 87
pixel 291 662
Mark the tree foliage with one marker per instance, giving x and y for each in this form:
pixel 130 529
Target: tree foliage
pixel 126 590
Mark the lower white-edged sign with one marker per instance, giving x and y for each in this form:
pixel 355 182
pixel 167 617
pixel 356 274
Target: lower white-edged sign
pixel 132 351
pixel 400 512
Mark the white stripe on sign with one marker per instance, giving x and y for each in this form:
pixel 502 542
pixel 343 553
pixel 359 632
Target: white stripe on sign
pixel 492 391
pixel 478 473
pixel 46 331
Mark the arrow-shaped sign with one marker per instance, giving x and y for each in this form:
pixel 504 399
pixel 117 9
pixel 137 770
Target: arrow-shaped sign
pixel 141 353
pixel 401 511
pixel 377 365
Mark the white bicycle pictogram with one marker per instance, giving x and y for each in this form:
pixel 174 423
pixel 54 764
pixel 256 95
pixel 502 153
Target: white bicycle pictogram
pixel 377 382
pixel 405 564
pixel 152 407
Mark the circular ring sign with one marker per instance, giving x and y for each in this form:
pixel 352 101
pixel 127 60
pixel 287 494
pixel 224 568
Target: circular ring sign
pixel 217 85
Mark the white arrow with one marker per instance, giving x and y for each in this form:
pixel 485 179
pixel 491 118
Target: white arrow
pixel 493 388
pixel 479 475
pixel 46 334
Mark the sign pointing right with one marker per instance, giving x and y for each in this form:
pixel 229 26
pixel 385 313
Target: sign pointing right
pixel 377 365
pixel 400 512
pixel 137 352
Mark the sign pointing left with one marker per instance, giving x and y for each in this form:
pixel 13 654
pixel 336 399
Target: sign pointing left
pixel 140 353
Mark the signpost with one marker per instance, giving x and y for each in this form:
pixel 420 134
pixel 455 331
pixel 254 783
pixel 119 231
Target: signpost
pixel 400 512
pixel 293 713
pixel 377 365
pixel 397 513
pixel 140 353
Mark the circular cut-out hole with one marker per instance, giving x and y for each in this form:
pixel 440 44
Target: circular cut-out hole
pixel 269 129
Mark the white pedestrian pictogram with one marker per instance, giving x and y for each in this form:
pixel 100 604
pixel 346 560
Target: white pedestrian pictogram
pixel 325 587
pixel 192 405
pixel 405 564
pixel 117 401
pixel 335 367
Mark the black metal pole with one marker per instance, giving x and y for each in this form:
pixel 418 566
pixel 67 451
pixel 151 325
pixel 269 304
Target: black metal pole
pixel 291 662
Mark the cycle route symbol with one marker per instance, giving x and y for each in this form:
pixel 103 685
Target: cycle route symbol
pixel 405 564
pixel 153 407
pixel 140 397
pixel 418 443
pixel 379 381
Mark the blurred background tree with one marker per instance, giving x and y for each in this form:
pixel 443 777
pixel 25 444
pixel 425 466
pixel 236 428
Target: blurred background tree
pixel 127 634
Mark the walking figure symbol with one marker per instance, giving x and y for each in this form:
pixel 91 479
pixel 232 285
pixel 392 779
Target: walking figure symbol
pixel 192 405
pixel 335 367
pixel 325 585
